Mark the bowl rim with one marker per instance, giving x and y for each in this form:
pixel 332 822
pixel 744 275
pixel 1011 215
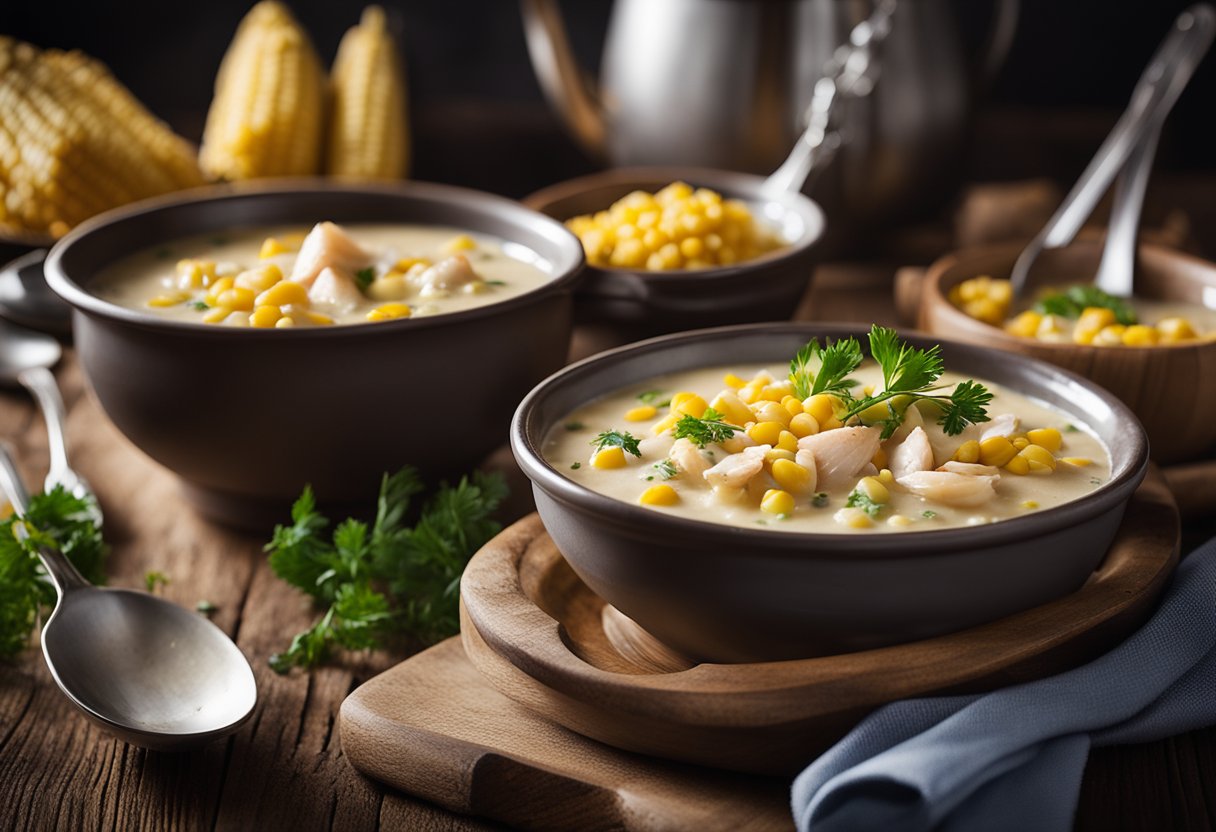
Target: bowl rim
pixel 958 259
pixel 82 300
pixel 809 209
pixel 955 541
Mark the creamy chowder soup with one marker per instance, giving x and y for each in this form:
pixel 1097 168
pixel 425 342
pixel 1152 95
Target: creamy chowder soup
pixel 291 276
pixel 734 445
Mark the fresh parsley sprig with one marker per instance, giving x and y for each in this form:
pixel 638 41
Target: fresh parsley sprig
pixel 58 520
pixel 389 578
pixel 862 500
pixel 818 369
pixel 1071 302
pixel 909 375
pixel 708 429
pixel 617 439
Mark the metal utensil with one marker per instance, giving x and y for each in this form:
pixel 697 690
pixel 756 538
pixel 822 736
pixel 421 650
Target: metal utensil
pixel 25 357
pixel 26 299
pixel 1128 150
pixel 150 672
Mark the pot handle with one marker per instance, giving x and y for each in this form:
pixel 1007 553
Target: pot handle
pixel 566 86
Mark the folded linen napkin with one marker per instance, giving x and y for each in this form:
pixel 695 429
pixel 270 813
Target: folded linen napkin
pixel 1013 758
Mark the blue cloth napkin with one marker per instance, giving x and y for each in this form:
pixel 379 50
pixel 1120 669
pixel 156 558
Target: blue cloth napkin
pixel 1013 758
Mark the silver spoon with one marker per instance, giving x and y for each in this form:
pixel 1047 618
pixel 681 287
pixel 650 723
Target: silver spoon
pixel 25 356
pixel 148 671
pixel 26 299
pixel 1129 150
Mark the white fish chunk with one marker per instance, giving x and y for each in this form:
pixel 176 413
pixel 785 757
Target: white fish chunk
pixel 449 273
pixel 912 455
pixel 806 459
pixel 841 454
pixel 971 469
pixel 951 488
pixel 335 290
pixel 328 246
pixel 735 470
pixel 689 458
pixel 1004 425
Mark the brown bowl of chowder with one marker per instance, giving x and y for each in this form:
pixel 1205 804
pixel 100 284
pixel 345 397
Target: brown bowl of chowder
pixel 765 492
pixel 254 340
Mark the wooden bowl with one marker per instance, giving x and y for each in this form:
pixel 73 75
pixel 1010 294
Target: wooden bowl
pixel 1169 387
pixel 643 303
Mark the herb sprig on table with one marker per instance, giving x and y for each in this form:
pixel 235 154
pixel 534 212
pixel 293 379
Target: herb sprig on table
pixel 60 521
pixel 387 578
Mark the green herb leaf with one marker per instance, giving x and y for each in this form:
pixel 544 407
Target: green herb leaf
pixel 820 500
pixel 155 580
pixel 1071 302
pixel 198 305
pixel 205 607
pixel 364 277
pixel 496 283
pixel 573 426
pixel 966 405
pixel 824 370
pixel 666 469
pixel 574 466
pixel 708 429
pixel 617 439
pixel 860 499
pixel 653 397
pixel 928 514
pixel 904 368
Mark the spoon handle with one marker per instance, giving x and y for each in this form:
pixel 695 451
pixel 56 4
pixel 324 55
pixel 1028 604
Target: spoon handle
pixel 62 572
pixel 41 384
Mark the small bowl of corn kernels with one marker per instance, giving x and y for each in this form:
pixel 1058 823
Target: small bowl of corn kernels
pixel 1155 351
pixel 256 339
pixel 671 249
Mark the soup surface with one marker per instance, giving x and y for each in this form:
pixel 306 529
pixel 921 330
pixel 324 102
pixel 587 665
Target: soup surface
pixel 291 276
pixel 791 464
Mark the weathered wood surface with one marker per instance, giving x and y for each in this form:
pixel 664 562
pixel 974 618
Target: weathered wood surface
pixel 285 769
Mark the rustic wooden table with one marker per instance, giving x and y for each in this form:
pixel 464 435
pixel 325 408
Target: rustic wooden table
pixel 285 768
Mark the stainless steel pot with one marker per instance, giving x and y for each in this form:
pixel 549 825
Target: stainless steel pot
pixel 727 84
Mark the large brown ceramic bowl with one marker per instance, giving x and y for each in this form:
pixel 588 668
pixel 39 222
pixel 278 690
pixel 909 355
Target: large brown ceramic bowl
pixel 734 594
pixel 246 417
pixel 1169 387
pixel 640 302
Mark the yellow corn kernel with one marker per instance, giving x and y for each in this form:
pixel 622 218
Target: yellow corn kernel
pixel 1052 327
pixel 283 293
pixel 259 279
pixel 641 413
pixel 265 316
pixel 1139 335
pixel 750 392
pixel 823 407
pixel 406 263
pixel 284 322
pixel 985 309
pixel 787 441
pixel 1048 438
pixel 608 458
pixel 803 424
pixel 679 398
pixel 899 520
pixel 765 433
pixel 996 450
pixel 1030 504
pixel 734 444
pixel 1173 330
pixel 195 274
pixel 1025 325
pixel 168 299
pixel 853 517
pixel 793 404
pixel 390 286
pixel 733 381
pixel 969 451
pixel 770 411
pixel 886 477
pixel 222 284
pixel 216 315
pixel 317 318
pixel 776 501
pixel 1019 442
pixel 666 423
pixel 732 408
pixel 1040 459
pixel 693 405
pixel 272 246
pixel 389 312
pixel 236 298
pixel 659 495
pixel 1076 461
pixel 1092 321
pixel 879 459
pixel 873 488
pixel 791 476
pixel 1018 465
pixel 773 393
pixel 459 243
pixel 1109 336
pixel 773 454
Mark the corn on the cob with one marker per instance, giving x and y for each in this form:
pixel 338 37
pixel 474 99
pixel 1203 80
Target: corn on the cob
pixel 266 117
pixel 367 129
pixel 75 142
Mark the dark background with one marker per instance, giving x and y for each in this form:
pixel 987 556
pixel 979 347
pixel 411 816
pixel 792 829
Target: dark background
pixel 1072 67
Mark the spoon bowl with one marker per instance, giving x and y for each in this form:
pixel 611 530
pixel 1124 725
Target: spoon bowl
pixel 149 671
pixel 25 349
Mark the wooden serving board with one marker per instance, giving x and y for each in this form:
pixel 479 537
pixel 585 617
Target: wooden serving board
pixel 544 639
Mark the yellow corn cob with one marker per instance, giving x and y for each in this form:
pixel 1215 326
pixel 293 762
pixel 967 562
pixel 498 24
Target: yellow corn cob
pixel 75 142
pixel 367 128
pixel 266 117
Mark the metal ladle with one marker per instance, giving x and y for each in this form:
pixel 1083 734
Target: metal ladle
pixel 150 672
pixel 1127 153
